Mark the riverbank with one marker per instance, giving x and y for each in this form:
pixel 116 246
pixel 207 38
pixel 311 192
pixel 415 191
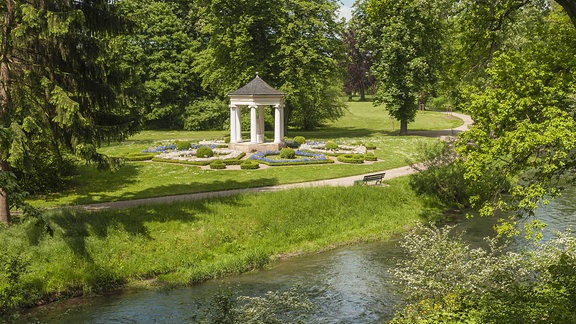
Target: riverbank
pixel 188 242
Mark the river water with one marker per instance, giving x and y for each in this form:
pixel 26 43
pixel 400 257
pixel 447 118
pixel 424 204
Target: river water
pixel 346 285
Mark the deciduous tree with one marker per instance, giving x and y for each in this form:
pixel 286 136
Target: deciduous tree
pixel 406 38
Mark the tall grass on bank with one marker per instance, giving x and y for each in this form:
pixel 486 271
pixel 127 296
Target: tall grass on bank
pixel 188 242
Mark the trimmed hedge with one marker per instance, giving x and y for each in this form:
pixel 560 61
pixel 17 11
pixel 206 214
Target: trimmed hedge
pixel 287 153
pixel 226 161
pixel 330 145
pixel 370 147
pixel 183 145
pixel 327 161
pixel 138 157
pixel 370 157
pixel 351 158
pixel 249 165
pixel 204 152
pixel 217 165
pixel 300 139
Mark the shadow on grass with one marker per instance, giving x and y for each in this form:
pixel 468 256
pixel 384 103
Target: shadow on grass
pixel 174 190
pixel 77 227
pixel 89 180
pixel 338 132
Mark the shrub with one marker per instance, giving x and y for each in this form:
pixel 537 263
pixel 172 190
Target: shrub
pixel 351 158
pixel 183 145
pixel 287 153
pixel 204 152
pixel 138 157
pixel 217 165
pixel 292 143
pixel 370 146
pixel 299 139
pixel 370 157
pixel 249 165
pixel 331 145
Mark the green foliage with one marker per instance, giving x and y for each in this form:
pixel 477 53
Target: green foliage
pixel 300 139
pixel 12 290
pixel 331 145
pixel 351 158
pixel 204 152
pixel 206 115
pixel 160 52
pixel 138 157
pixel 440 176
pixel 524 120
pixel 249 165
pixel 183 145
pixel 60 88
pixel 406 35
pixel 287 153
pixel 369 156
pixel 217 165
pixel 295 45
pixel 444 279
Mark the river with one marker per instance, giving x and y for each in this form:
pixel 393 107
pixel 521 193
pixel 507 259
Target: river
pixel 346 285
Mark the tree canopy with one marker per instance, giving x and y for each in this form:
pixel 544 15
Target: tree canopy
pixel 406 37
pixel 59 92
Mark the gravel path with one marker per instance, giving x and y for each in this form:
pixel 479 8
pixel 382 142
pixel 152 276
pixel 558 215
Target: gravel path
pixel 338 182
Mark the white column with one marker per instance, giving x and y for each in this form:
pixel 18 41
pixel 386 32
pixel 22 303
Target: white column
pixel 253 124
pixel 238 124
pixel 233 116
pixel 277 125
pixel 281 108
pixel 260 135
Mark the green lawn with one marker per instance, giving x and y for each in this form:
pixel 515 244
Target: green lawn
pixel 362 123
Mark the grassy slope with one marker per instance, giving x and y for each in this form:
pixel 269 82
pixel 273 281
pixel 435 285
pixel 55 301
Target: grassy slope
pixel 187 242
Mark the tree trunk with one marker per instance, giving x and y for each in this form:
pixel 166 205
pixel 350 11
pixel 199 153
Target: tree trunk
pixel 362 93
pixel 4 206
pixel 5 100
pixel 570 7
pixel 403 127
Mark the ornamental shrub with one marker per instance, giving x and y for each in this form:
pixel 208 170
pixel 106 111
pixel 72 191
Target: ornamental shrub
pixel 217 165
pixel 183 145
pixel 331 145
pixel 300 139
pixel 249 165
pixel 351 158
pixel 204 152
pixel 287 153
pixel 370 147
pixel 370 157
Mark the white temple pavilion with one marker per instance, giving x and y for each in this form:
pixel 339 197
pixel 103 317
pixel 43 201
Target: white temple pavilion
pixel 256 95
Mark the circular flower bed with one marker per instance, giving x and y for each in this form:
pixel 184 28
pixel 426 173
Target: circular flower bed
pixel 332 148
pixel 302 157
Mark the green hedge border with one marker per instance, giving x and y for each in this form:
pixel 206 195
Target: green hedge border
pixel 235 161
pixel 351 158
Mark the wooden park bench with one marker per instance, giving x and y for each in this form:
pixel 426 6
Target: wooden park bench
pixel 376 178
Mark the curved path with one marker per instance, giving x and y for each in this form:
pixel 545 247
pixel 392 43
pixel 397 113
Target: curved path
pixel 338 182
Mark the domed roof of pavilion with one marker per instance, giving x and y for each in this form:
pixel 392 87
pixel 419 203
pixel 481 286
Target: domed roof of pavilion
pixel 257 87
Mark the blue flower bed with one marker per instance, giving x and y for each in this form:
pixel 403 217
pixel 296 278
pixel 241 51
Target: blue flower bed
pixel 304 157
pixel 160 149
pixel 197 146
